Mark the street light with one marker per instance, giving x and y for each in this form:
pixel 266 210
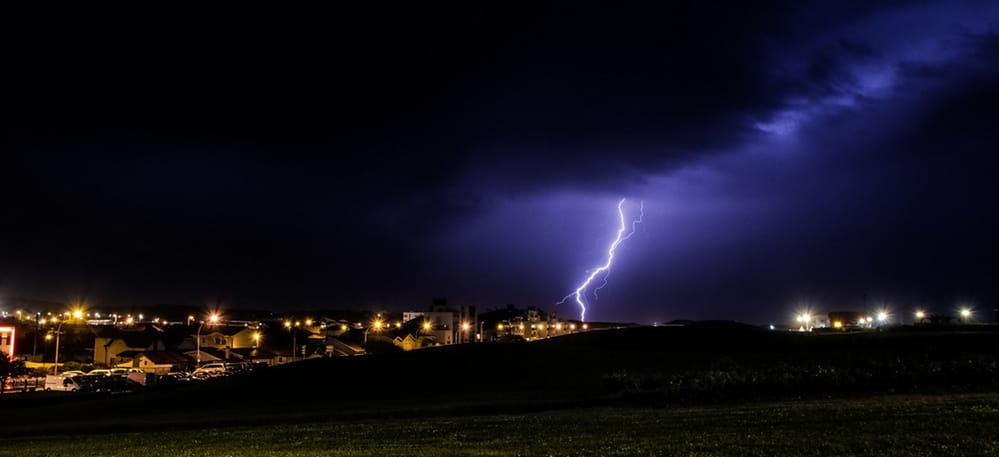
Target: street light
pixel 294 337
pixel 377 325
pixel 34 349
pixel 75 315
pixel 212 320
pixel 965 313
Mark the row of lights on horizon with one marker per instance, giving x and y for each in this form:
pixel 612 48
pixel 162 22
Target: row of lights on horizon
pixel 500 326
pixel 214 318
pixel 805 318
pixel 79 314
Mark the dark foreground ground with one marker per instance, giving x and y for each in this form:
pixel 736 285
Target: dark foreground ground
pixel 908 425
pixel 718 389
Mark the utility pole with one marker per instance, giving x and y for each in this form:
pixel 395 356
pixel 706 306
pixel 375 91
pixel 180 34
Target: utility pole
pixel 34 349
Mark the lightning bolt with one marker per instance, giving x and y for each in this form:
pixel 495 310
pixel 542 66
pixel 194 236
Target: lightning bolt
pixel 605 268
pixel 634 225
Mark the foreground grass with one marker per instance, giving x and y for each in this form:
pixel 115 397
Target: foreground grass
pixel 958 425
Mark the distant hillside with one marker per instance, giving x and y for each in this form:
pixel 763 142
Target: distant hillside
pixel 574 370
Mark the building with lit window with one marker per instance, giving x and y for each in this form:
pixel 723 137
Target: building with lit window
pixel 7 335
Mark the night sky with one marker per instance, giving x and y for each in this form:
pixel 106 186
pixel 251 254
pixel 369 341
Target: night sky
pixel 839 155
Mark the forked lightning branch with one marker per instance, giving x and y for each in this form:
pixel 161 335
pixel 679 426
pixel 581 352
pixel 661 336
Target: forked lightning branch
pixel 604 270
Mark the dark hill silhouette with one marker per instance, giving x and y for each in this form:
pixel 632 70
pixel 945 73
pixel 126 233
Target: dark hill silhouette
pixel 475 378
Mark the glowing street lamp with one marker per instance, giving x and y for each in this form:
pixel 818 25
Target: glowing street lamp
pixel 213 319
pixel 293 328
pixel 58 332
pixel 377 326
pixel 920 314
pixel 965 313
pixel 882 316
pixel 425 327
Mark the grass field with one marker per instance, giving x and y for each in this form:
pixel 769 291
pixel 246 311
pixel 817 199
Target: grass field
pixel 944 425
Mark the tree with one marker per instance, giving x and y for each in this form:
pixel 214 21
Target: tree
pixel 10 368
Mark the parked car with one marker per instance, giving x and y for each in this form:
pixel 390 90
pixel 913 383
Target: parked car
pixel 114 384
pixel 238 367
pixel 71 373
pixel 124 372
pixel 99 372
pixel 90 382
pixel 210 370
pixel 174 377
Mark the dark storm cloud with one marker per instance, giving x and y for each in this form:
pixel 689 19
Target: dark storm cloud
pixel 537 86
pixel 346 154
pixel 884 202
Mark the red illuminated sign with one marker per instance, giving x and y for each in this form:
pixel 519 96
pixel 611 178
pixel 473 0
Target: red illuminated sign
pixel 7 341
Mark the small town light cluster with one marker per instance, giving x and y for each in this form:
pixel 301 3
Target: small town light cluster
pixel 804 320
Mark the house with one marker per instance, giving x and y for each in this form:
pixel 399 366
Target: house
pixel 251 355
pixel 413 334
pixel 408 343
pixel 447 324
pixel 219 338
pixel 7 341
pixel 208 354
pixel 161 362
pixel 516 324
pixel 224 336
pixel 337 348
pixel 111 342
pixel 254 356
